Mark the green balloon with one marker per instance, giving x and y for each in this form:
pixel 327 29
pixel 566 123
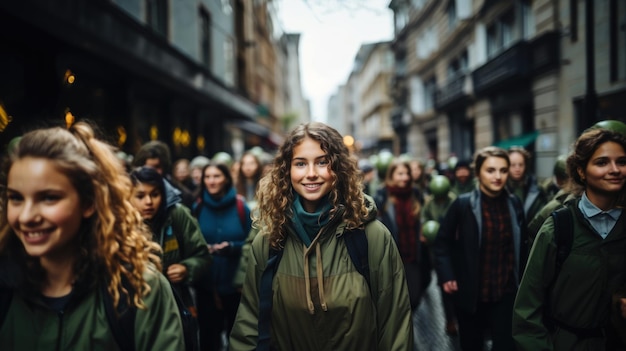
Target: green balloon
pixel 613 125
pixel 430 230
pixel 223 157
pixel 439 185
pixel 385 157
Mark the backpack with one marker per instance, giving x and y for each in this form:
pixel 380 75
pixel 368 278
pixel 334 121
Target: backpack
pixel 563 238
pixel 122 320
pixel 357 246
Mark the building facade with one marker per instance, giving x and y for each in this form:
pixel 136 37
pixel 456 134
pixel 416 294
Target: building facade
pixel 469 74
pixel 199 75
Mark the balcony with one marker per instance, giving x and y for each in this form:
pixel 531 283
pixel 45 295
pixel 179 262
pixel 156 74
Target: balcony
pixel 454 92
pixel 546 53
pixel 510 66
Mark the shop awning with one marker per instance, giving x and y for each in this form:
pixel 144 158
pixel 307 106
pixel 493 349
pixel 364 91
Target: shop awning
pixel 521 140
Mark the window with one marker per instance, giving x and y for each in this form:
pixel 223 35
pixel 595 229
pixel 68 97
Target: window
pixel 205 37
pixel 452 17
pixel 156 15
pixel 429 93
pixel 500 34
pixel 229 61
pixel 528 20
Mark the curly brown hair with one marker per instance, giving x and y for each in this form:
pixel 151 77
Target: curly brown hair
pixel 114 242
pixel 276 194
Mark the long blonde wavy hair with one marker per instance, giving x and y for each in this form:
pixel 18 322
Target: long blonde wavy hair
pixel 114 242
pixel 276 194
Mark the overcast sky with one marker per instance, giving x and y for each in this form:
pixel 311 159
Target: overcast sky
pixel 331 33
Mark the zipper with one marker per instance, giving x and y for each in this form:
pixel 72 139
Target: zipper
pixel 61 314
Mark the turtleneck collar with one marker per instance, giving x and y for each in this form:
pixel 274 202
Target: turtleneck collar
pixel 308 224
pixel 228 199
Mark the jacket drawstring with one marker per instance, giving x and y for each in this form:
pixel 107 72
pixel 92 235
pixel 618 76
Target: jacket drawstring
pixel 320 275
pixel 309 300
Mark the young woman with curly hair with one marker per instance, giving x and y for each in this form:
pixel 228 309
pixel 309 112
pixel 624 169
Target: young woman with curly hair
pixel 312 195
pixel 68 235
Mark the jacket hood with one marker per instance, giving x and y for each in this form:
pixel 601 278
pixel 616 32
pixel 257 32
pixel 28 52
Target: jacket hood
pixel 172 195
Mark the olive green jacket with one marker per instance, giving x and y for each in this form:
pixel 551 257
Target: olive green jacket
pixel 31 325
pixel 334 311
pixel 582 293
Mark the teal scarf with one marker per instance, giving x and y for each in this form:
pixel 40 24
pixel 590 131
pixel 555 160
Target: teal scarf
pixel 308 224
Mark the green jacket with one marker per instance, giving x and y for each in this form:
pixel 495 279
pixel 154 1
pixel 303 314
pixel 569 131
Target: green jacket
pixel 436 210
pixel 354 319
pixel 31 325
pixel 194 253
pixel 582 293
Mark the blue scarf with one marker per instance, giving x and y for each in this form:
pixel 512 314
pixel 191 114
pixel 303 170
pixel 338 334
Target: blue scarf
pixel 308 224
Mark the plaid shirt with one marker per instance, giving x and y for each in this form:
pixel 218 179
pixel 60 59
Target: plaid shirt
pixel 496 255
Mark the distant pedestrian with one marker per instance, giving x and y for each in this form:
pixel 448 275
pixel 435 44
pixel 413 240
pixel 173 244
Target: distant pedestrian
pixel 156 154
pixel 523 184
pixel 480 253
pixel 318 298
pixel 399 206
pixel 225 222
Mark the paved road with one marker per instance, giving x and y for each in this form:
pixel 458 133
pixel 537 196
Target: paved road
pixel 429 323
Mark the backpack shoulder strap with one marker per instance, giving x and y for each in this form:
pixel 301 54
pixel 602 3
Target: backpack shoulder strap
pixel 241 211
pixel 6 296
pixel 265 299
pixel 121 320
pixel 356 243
pixel 563 236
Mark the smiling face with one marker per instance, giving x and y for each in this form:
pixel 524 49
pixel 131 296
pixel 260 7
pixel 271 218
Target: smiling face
pixel 146 198
pixel 311 176
pixel 400 177
pixel 492 175
pixel 214 181
pixel 605 172
pixel 44 209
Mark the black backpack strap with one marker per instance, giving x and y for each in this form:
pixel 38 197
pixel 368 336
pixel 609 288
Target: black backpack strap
pixel 6 295
pixel 265 299
pixel 356 243
pixel 122 319
pixel 563 238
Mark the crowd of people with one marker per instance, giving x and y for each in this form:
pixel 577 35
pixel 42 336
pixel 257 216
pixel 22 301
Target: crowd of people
pixel 310 249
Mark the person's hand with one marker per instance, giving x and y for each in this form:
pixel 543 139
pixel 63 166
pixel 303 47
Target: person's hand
pixel 176 273
pixel 622 302
pixel 450 287
pixel 217 248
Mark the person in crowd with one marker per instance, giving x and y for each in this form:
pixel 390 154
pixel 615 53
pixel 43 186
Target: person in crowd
pixel 368 174
pixel 399 205
pixel 462 182
pixel 156 154
pixel 69 236
pixel 225 222
pixel 570 308
pixel 480 253
pixel 419 177
pixel 523 184
pixel 435 208
pixel 185 258
pixel 313 197
pixel 181 174
pixel 250 172
pixel 557 183
pixel 195 170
